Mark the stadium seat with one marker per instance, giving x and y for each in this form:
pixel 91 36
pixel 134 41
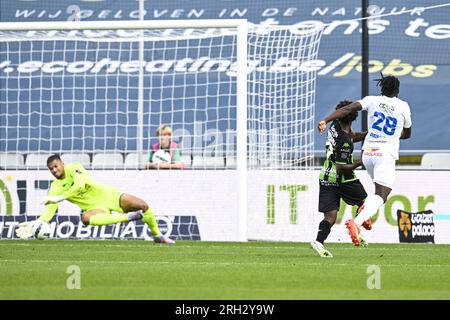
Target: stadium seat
pixel 230 158
pixel 186 156
pixel 132 161
pixel 435 161
pixel 208 162
pixel 187 160
pixel 107 161
pixel 36 160
pixel 230 162
pixel 11 161
pixel 82 158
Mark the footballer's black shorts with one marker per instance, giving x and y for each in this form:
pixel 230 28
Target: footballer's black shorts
pixel 352 193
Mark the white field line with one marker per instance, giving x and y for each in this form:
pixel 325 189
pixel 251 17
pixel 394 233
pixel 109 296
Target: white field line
pixel 215 263
pixel 112 290
pixel 147 244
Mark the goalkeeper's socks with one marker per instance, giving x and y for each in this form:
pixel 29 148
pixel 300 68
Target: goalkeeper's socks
pixel 102 219
pixel 150 220
pixel 371 206
pixel 324 231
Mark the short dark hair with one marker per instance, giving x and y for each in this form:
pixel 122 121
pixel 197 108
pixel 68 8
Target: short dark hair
pixel 53 158
pixel 390 85
pixel 351 116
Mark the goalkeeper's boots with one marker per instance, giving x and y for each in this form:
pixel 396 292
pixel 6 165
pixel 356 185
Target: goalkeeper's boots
pixel 353 230
pixel 163 239
pixel 137 215
pixel 316 245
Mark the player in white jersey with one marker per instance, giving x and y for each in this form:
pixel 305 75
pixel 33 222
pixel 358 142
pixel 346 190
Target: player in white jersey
pixel 389 120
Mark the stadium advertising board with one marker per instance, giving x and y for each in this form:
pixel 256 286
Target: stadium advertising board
pixel 414 191
pixel 282 205
pixel 416 227
pixel 183 201
pixel 71 227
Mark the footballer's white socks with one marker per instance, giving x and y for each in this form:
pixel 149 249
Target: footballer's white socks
pixel 371 206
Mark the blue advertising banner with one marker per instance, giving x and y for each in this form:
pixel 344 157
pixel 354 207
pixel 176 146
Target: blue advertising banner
pixel 71 227
pixel 408 41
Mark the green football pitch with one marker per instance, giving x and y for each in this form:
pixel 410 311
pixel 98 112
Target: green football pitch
pixel 194 270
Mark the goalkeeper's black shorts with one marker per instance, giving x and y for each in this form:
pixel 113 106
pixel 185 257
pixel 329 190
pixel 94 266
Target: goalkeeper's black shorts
pixel 351 192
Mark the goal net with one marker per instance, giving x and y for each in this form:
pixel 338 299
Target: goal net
pixel 232 101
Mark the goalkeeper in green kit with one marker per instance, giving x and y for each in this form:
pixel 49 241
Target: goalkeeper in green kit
pixel 97 201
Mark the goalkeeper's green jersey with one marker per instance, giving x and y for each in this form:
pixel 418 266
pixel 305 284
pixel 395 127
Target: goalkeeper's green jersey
pixel 78 188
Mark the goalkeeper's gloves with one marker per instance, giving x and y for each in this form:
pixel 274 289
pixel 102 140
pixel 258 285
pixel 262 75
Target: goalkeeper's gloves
pixel 25 229
pixel 52 199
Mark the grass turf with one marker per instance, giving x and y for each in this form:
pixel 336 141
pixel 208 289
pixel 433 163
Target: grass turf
pixel 216 270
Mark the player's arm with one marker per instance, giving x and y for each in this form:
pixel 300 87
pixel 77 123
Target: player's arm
pixel 358 136
pixel 50 209
pixel 80 177
pixel 406 133
pixel 338 114
pixel 343 153
pixel 342 168
pixel 25 229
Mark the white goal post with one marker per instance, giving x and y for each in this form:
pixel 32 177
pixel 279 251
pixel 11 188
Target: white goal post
pixel 239 98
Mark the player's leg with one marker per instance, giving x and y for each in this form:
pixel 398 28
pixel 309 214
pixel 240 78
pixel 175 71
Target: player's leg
pixel 329 218
pixel 354 194
pixel 100 203
pixel 329 205
pixel 373 203
pixel 101 217
pixel 383 190
pixel 130 203
pixel 351 225
pixel 383 177
pixel 366 224
pixel 324 230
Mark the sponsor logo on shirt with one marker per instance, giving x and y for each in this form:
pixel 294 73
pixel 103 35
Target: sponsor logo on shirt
pixel 374 152
pixel 386 107
pixel 346 148
pixel 374 135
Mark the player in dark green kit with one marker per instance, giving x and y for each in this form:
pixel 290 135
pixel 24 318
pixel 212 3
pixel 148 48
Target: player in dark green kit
pixel 337 178
pixel 97 201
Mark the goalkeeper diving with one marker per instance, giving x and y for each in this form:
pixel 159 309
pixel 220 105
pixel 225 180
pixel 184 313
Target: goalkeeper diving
pixel 96 201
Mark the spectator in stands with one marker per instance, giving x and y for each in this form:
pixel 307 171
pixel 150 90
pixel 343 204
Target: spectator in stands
pixel 164 154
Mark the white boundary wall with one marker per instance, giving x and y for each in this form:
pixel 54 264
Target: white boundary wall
pixel 212 197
